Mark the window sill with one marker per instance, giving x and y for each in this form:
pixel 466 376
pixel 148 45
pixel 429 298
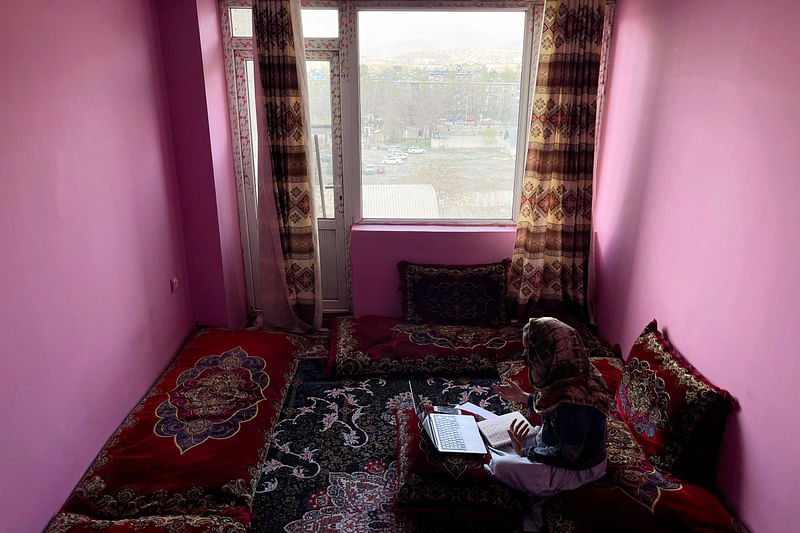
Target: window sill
pixel 436 228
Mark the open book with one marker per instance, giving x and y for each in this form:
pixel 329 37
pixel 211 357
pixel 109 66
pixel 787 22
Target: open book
pixel 495 430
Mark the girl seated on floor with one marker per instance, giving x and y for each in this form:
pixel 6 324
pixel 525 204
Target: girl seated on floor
pixel 569 448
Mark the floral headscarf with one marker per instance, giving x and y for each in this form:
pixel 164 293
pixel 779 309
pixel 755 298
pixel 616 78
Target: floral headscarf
pixel 559 367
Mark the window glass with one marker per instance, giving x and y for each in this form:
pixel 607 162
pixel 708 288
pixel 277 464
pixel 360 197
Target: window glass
pixel 440 96
pixel 241 22
pixel 321 142
pixel 320 23
pixel 251 108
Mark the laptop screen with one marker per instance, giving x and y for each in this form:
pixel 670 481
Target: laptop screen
pixel 419 407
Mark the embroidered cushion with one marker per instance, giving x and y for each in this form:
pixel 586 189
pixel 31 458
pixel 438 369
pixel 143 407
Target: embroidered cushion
pixel 194 444
pixel 73 523
pixel 433 483
pixel 456 294
pixel 674 413
pixel 379 345
pixel 635 496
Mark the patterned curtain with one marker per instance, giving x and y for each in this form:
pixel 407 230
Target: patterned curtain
pixel 550 266
pixel 288 211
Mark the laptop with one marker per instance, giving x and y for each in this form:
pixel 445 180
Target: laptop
pixel 449 433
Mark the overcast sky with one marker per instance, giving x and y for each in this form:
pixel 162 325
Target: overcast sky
pixel 388 33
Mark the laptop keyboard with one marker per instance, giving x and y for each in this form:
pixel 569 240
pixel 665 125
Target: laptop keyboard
pixel 449 433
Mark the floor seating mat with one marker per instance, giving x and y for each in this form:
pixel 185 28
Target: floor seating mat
pixel 196 442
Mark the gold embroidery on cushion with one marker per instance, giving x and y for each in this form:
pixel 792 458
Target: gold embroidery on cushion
pixel 63 522
pixel 348 359
pixel 239 492
pixel 455 337
pixel 629 470
pixel 699 399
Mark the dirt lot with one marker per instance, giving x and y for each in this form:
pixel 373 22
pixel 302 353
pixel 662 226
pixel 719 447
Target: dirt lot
pixel 469 183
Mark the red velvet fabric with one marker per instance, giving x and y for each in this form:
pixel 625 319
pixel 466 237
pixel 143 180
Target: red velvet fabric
pixel 378 344
pixel 431 483
pixel 73 523
pixel 194 443
pixel 591 508
pixel 675 414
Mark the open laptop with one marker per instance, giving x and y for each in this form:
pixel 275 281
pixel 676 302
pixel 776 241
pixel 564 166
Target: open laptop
pixel 449 433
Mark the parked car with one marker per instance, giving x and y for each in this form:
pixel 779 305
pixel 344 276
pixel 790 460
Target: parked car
pixel 415 150
pixel 390 160
pixel 399 154
pixel 369 169
pixel 379 169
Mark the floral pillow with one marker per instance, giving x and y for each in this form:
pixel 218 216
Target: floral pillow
pixel 455 294
pixel 674 413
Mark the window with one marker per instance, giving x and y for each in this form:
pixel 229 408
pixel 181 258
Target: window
pixel 416 115
pixel 319 95
pixel 320 23
pixel 241 21
pixel 440 109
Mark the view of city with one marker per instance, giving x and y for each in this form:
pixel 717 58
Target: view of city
pixel 438 119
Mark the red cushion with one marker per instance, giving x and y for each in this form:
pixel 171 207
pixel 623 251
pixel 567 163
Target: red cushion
pixel 674 413
pixel 589 508
pixel 195 442
pixel 74 523
pixel 634 496
pixel 378 344
pixel 430 482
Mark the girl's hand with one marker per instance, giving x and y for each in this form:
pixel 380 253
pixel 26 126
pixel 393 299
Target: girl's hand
pixel 510 392
pixel 518 435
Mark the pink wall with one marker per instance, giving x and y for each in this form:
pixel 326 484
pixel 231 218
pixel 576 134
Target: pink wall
pixel 191 35
pixel 697 218
pixel 376 250
pixel 90 236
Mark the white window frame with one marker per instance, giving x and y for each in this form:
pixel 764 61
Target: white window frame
pixel 347 166
pixel 328 49
pixel 351 108
pixel 237 51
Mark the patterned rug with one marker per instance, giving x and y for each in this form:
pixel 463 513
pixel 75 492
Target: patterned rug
pixel 332 465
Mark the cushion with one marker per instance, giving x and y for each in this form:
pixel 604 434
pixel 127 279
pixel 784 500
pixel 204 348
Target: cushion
pixel 430 482
pixel 194 444
pixel 674 413
pixel 455 294
pixel 635 496
pixel 74 523
pixel 379 345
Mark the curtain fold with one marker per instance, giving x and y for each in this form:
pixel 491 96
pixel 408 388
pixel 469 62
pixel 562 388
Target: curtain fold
pixel 289 281
pixel 550 265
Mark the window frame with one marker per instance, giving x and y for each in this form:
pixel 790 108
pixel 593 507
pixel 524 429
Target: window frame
pixel 350 112
pixel 237 51
pixel 351 102
pixel 348 177
pixel 327 50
